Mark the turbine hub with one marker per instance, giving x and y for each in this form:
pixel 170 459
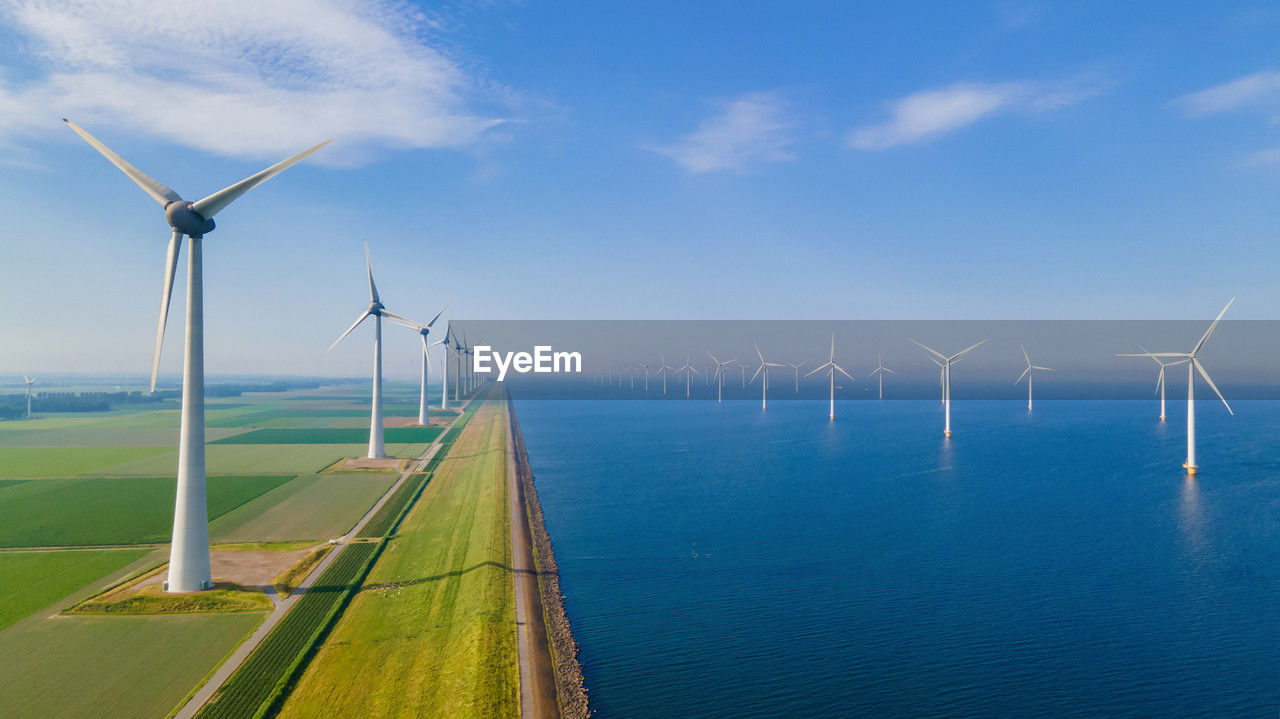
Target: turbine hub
pixel 186 220
pixel 376 308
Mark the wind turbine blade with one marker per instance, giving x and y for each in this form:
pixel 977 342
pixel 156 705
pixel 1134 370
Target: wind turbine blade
pixel 402 320
pixel 213 204
pixel 930 350
pixel 426 356
pixel 1159 380
pixel 965 351
pixel 1200 368
pixel 1024 374
pixel 753 344
pixel 368 263
pixel 1024 354
pixel 840 369
pixel 713 358
pixel 817 369
pixel 1209 331
pixel 1044 369
pixel 158 191
pixel 433 319
pixel 166 291
pixel 352 327
pixel 886 369
pixel 832 358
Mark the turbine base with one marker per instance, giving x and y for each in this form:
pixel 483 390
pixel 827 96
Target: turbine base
pixel 946 433
pixel 1191 468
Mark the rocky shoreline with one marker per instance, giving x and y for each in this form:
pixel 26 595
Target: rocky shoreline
pixel 571 692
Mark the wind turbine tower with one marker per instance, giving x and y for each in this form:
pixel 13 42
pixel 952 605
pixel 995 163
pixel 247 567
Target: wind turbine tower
pixel 764 381
pixel 1029 373
pixel 831 367
pixel 946 363
pixel 878 373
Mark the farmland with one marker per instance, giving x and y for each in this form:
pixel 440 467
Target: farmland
pixel 20 462
pixel 60 574
pixel 314 507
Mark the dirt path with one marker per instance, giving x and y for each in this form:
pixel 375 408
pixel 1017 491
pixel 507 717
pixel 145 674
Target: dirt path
pixel 282 606
pixel 537 677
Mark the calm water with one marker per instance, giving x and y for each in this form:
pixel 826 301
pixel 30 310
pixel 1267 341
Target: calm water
pixel 718 561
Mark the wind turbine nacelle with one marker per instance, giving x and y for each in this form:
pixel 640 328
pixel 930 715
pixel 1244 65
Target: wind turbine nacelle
pixel 186 220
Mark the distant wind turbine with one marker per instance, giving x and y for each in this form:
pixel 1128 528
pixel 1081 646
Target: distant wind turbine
pixel 831 367
pixel 946 363
pixel 189 564
pixel 719 374
pixel 1193 366
pixel 689 371
pixel 424 330
pixel 763 373
pixel 663 369
pixel 1160 379
pixel 879 371
pixel 30 381
pixel 1029 373
pixel 797 366
pixel 377 311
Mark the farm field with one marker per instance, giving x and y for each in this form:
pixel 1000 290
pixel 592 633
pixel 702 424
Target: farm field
pixel 391 435
pixel 102 510
pixel 432 631
pixel 25 462
pixel 314 507
pixel 60 574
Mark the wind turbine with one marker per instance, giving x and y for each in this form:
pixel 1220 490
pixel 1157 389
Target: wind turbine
pixel 448 335
pixel 189 569
pixel 663 369
pixel 377 311
pixel 423 330
pixel 764 382
pixel 1193 366
pixel 797 366
pixel 689 371
pixel 30 381
pixel 1028 373
pixel 946 362
pixel 719 374
pixel 831 367
pixel 645 366
pixel 879 371
pixel 1160 383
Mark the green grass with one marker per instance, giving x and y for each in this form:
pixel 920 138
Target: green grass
pixel 311 507
pixel 20 462
pixel 245 459
pixel 30 581
pixel 97 510
pixel 330 435
pixel 289 579
pixel 255 684
pixel 101 437
pixel 120 667
pixel 432 632
pixel 383 521
pixel 224 597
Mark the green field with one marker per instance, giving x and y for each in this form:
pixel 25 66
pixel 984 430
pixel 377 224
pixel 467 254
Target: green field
pixel 60 573
pixel 330 435
pixel 314 507
pixel 245 459
pixel 119 667
pixel 432 632
pixel 99 510
pixel 19 462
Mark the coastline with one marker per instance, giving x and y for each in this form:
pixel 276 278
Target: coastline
pixel 570 691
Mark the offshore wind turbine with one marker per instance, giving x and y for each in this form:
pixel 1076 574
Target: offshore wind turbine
pixel 1160 379
pixel 189 569
pixel 719 374
pixel 945 363
pixel 377 311
pixel 831 367
pixel 689 371
pixel 30 381
pixel 764 382
pixel 1193 366
pixel 797 367
pixel 879 371
pixel 1028 373
pixel 663 369
pixel 424 330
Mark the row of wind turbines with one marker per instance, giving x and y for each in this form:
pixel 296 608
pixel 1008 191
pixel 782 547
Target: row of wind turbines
pixel 719 368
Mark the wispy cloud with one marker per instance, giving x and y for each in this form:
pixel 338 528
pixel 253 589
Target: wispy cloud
pixel 1259 90
pixel 243 78
pixel 928 114
pixel 752 128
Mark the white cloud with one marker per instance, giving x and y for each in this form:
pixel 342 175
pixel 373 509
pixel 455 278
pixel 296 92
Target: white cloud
pixel 752 128
pixel 925 115
pixel 1260 88
pixel 241 78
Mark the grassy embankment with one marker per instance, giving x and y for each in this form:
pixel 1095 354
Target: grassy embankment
pixel 432 631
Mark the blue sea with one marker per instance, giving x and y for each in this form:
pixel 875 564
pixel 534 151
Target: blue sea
pixel 721 561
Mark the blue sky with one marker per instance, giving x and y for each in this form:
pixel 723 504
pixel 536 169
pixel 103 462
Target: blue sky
pixel 632 160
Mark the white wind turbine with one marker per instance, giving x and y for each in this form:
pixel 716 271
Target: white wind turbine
pixel 377 311
pixel 1193 366
pixel 879 371
pixel 448 347
pixel 663 369
pixel 645 367
pixel 689 371
pixel 719 374
pixel 189 568
pixel 423 331
pixel 1028 373
pixel 30 381
pixel 1160 379
pixel 763 370
pixel 946 362
pixel 797 366
pixel 831 367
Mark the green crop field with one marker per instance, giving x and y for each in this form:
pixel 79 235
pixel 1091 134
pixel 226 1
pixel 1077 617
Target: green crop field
pixel 432 632
pixel 119 667
pixel 245 459
pixel 60 573
pixel 19 462
pixel 89 510
pixel 316 507
pixel 330 435
pixel 101 437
